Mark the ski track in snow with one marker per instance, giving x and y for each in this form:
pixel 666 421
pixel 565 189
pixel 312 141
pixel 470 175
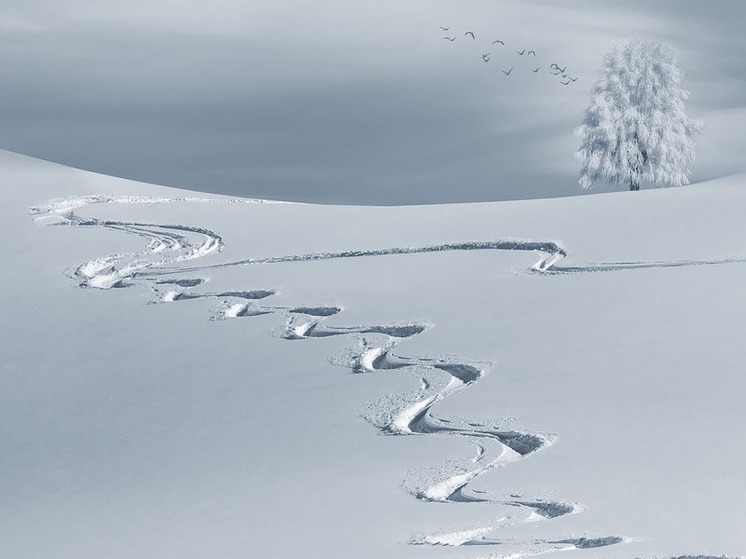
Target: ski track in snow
pixel 168 246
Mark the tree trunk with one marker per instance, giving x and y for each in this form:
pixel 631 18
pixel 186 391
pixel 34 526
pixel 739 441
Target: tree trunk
pixel 634 185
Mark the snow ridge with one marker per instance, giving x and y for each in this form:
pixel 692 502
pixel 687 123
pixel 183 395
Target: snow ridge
pixel 168 246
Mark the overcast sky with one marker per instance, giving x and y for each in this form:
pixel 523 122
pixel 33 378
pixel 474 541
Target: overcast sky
pixel 346 101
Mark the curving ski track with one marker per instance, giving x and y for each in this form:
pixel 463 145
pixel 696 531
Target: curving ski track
pixel 410 414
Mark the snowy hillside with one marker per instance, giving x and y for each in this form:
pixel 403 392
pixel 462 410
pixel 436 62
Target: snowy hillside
pixel 188 376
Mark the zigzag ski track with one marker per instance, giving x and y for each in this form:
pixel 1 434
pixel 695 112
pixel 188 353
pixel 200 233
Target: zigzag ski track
pixel 415 413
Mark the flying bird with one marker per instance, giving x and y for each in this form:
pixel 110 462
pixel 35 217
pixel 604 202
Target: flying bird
pixel 508 72
pixel 565 76
pixel 498 41
pixel 532 52
pixel 537 69
pixel 470 33
pixel 521 52
pixel 561 69
pixel 566 83
pixel 450 38
pixel 444 28
pixel 486 57
pixel 573 79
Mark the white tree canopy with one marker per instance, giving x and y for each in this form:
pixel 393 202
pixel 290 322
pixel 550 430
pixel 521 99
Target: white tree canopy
pixel 636 128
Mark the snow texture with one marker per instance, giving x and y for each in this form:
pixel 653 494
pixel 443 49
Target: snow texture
pixel 170 435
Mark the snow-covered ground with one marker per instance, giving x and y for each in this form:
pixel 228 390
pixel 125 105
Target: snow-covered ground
pixel 199 377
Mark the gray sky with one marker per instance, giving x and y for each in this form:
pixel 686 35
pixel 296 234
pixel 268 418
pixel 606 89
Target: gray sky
pixel 348 102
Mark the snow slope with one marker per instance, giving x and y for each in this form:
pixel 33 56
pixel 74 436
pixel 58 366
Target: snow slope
pixel 193 377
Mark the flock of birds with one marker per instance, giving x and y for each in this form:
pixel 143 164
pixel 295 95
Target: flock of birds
pixel 554 68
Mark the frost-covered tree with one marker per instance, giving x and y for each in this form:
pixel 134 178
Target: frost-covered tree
pixel 635 128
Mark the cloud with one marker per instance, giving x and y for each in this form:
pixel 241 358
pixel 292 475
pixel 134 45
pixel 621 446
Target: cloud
pixel 334 101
